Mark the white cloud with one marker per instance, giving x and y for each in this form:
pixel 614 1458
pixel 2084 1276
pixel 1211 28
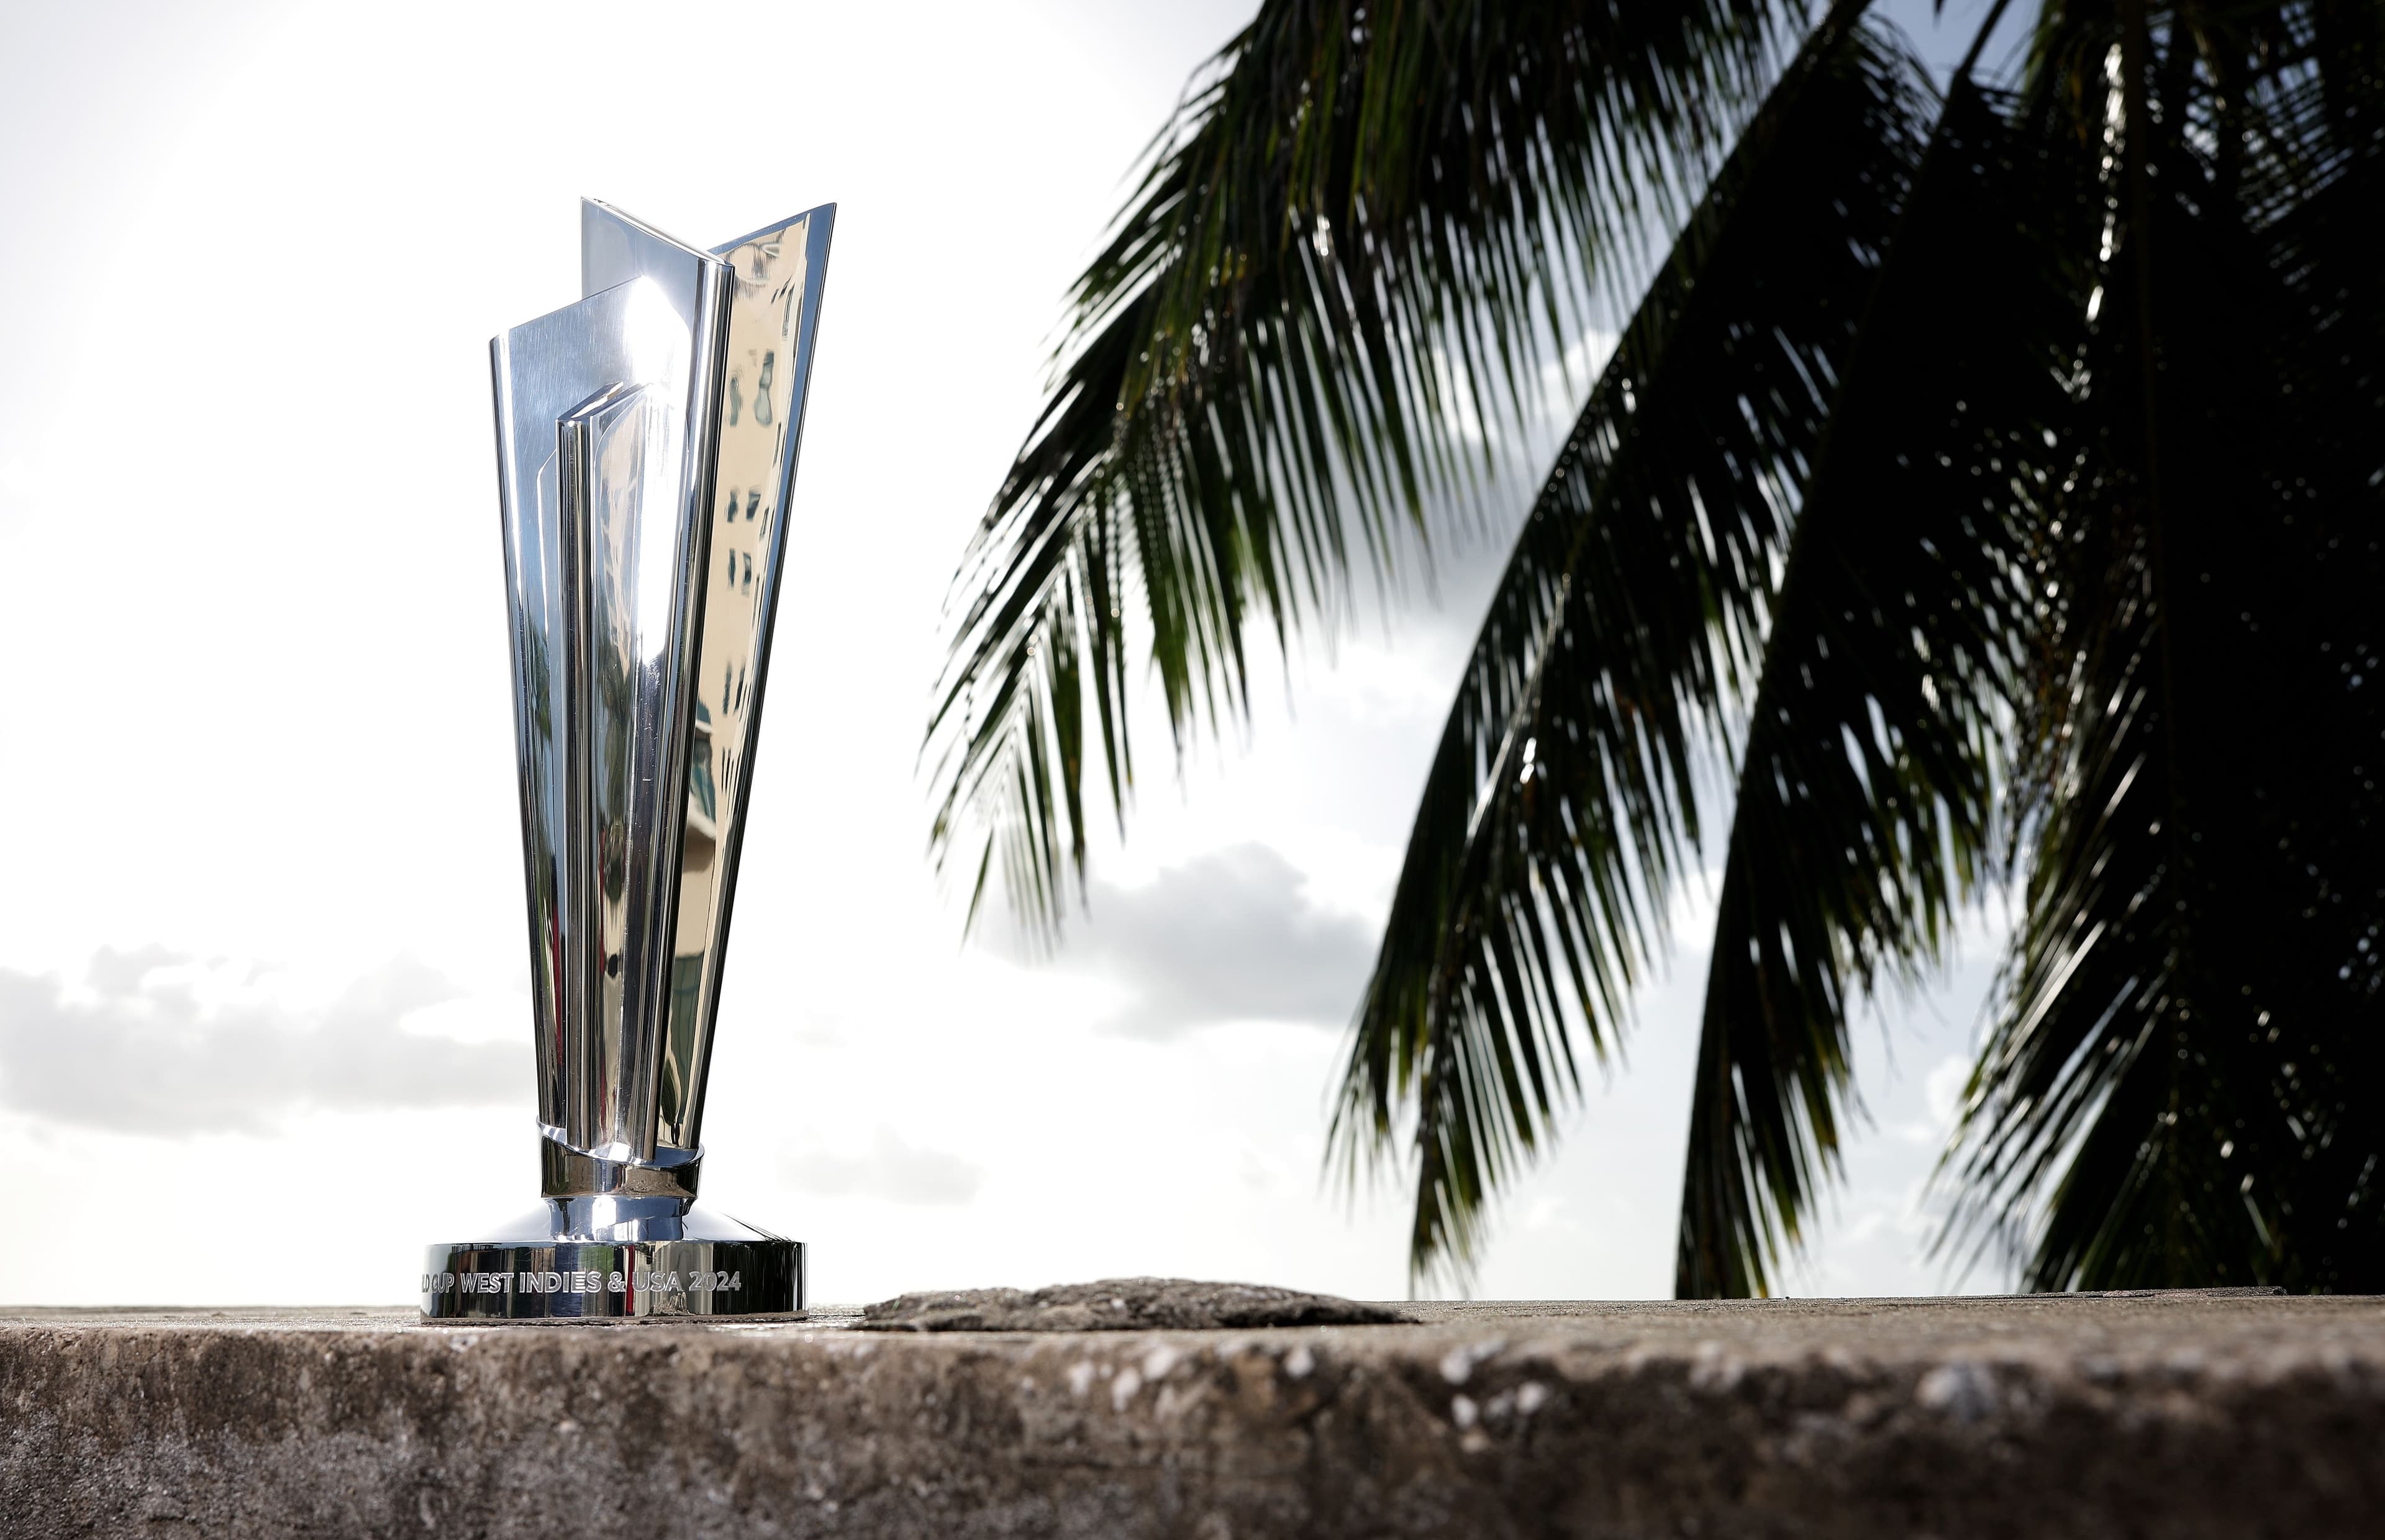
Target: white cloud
pixel 1231 935
pixel 137 1047
pixel 1943 1089
pixel 894 1170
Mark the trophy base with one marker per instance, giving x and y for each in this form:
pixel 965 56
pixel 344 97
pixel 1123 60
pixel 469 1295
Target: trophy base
pixel 550 1268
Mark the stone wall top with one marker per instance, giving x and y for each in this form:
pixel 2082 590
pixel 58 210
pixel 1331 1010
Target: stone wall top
pixel 2160 1413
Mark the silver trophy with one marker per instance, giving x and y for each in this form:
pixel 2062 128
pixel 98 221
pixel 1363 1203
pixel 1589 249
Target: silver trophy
pixel 646 440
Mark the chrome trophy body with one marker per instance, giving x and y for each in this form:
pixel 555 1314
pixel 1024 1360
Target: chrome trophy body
pixel 647 442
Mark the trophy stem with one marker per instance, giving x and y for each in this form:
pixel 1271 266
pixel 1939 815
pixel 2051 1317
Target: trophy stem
pixel 565 1171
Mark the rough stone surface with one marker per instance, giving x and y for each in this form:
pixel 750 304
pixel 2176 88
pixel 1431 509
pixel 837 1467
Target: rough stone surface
pixel 1122 1305
pixel 2155 1415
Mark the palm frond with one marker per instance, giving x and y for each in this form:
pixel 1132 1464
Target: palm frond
pixel 1865 796
pixel 2177 1085
pixel 1371 226
pixel 1559 808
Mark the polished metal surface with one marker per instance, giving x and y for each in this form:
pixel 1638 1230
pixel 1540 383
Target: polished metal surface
pixel 776 274
pixel 646 447
pixel 552 1279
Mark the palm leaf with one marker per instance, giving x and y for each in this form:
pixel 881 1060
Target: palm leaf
pixel 1866 794
pixel 1555 817
pixel 1368 225
pixel 2177 1087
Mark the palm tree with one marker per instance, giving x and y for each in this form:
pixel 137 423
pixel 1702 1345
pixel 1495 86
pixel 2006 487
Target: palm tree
pixel 1991 478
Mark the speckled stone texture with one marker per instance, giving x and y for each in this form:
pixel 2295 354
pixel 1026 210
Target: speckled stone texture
pixel 2149 1415
pixel 1122 1305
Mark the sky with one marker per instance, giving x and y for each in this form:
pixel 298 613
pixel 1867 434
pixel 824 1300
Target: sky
pixel 262 968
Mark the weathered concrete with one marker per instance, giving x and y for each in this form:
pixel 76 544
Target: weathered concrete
pixel 2169 1415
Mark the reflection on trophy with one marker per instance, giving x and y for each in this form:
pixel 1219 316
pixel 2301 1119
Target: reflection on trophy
pixel 646 442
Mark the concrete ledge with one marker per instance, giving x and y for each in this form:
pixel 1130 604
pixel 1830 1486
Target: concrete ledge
pixel 2160 1414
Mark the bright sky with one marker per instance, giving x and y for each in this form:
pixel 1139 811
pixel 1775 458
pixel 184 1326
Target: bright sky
pixel 262 969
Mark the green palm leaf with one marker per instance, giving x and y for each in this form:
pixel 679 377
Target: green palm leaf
pixel 2180 1082
pixel 1369 222
pixel 1866 794
pixel 1554 819
pixel 1996 488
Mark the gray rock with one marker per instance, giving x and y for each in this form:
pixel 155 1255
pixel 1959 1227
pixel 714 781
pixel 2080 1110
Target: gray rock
pixel 2169 1415
pixel 1122 1305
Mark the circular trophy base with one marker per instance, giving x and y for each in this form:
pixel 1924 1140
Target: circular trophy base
pixel 565 1277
